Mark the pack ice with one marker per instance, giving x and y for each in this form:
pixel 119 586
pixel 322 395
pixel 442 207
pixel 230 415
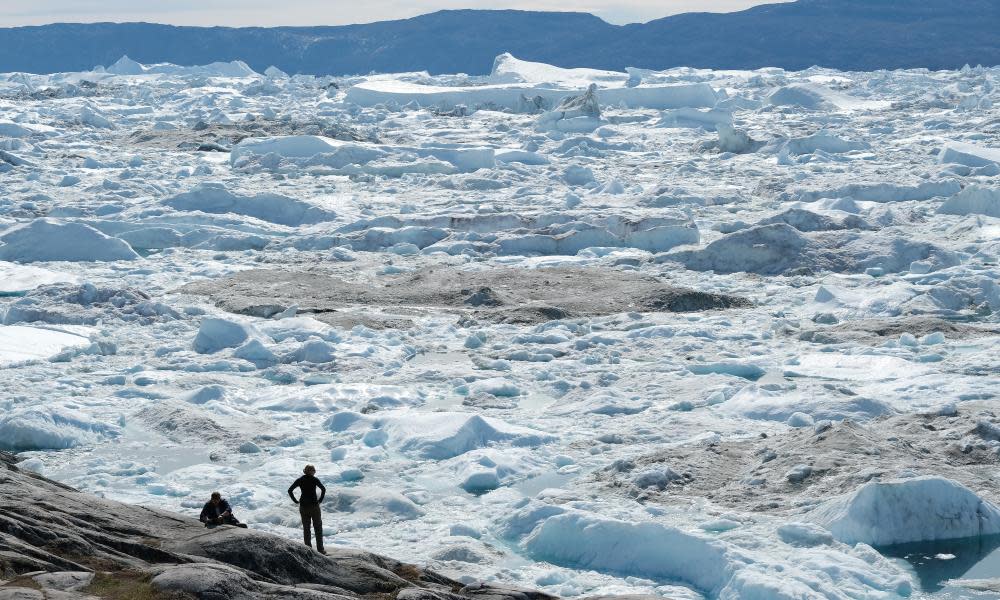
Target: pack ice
pixel 685 334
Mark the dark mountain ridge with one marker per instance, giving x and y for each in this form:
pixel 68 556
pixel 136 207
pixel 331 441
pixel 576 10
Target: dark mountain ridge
pixel 843 34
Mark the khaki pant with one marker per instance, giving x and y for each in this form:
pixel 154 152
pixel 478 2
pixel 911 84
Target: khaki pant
pixel 311 514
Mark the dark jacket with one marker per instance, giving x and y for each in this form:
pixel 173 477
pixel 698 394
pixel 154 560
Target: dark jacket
pixel 308 485
pixel 211 512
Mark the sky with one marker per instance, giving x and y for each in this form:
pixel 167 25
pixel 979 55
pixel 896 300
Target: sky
pixel 326 12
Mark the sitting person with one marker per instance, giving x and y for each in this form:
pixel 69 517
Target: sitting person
pixel 218 512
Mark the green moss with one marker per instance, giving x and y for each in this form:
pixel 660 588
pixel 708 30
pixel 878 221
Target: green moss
pixel 21 582
pixel 128 585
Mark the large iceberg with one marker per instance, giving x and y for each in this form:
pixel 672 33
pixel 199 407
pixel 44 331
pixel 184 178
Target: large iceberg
pixel 52 240
pixel 908 510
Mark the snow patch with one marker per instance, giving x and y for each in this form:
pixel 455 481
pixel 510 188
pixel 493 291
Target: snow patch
pixel 512 96
pixel 213 197
pixel 50 428
pixel 51 240
pixel 437 436
pixel 216 334
pixel 508 69
pixel 359 157
pixel 643 549
pixel 20 345
pixel 970 155
pixel 813 96
pixel 973 200
pixel 17 279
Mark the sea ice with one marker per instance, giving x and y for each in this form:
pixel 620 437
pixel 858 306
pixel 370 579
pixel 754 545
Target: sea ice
pixel 274 208
pixel 710 335
pixel 909 510
pixel 17 279
pixel 21 344
pixel 51 240
pixel 973 200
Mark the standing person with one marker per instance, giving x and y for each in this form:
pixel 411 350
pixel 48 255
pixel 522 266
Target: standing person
pixel 309 505
pixel 218 512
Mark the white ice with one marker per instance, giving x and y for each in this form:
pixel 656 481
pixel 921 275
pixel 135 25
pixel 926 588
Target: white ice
pixel 855 213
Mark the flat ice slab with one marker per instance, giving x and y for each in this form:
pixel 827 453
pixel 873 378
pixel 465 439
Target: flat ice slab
pixel 860 367
pixel 508 69
pixel 970 155
pixel 353 156
pixel 17 279
pixel 20 344
pixel 660 97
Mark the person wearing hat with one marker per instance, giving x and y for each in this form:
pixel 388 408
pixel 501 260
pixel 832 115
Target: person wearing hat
pixel 309 505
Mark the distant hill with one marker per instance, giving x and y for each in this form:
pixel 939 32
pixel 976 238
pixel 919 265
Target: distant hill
pixel 852 35
pixel 844 34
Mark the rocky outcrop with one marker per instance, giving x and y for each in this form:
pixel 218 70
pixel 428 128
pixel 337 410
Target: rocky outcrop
pixel 57 542
pixel 498 295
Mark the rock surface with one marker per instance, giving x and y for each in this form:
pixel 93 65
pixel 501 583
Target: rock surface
pixel 53 539
pixel 495 295
pixel 780 473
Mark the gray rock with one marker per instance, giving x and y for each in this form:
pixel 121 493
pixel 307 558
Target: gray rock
pixel 287 562
pixel 798 473
pixel 486 591
pixel 624 597
pixel 425 594
pixel 206 581
pixel 659 478
pixel 459 553
pixel 780 248
pixel 66 581
pixel 20 593
pixel 533 296
pixel 219 582
pixel 44 523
